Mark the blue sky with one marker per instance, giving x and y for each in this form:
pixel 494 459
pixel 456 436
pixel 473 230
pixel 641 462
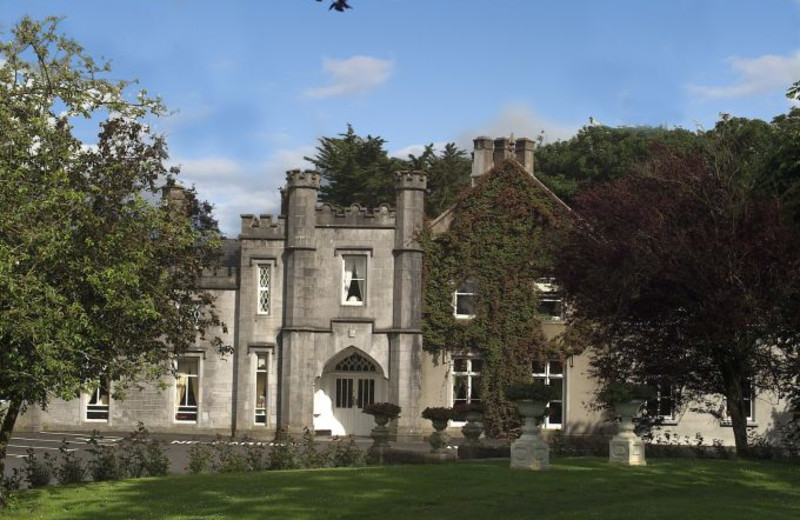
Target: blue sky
pixel 256 83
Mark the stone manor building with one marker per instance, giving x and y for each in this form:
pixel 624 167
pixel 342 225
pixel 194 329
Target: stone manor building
pixel 323 308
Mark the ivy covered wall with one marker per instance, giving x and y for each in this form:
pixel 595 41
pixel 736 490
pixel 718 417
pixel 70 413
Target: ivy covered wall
pixel 502 236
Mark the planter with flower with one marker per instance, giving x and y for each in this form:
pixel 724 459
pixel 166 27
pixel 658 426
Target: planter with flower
pixel 382 413
pixel 626 399
pixel 472 413
pixel 530 451
pixel 439 417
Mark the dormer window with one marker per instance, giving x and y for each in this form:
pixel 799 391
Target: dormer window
pixel 464 300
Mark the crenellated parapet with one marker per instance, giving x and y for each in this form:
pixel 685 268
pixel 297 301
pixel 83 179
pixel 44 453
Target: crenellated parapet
pixel 355 216
pixel 263 227
pixel 411 180
pixel 303 179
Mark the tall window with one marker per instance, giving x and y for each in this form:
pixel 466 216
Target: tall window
pixel 552 373
pixel 748 396
pixel 466 380
pixel 261 389
pixel 663 406
pixel 97 405
pixel 551 302
pixel 187 387
pixel 264 284
pixel 351 390
pixel 464 300
pixel 354 279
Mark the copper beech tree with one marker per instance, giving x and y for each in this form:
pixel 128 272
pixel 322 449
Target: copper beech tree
pixel 682 274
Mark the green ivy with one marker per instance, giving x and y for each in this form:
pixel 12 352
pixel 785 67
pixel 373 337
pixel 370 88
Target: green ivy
pixel 502 236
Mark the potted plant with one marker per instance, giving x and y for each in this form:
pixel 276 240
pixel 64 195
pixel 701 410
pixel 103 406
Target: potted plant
pixel 472 413
pixel 439 416
pixel 382 413
pixel 626 399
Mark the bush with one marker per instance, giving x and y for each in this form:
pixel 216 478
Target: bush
pixel 141 456
pixel 310 455
pixel 438 413
pixel 38 473
pixel 70 469
pixel 390 410
pixel 200 456
pixel 283 455
pixel 345 455
pixel 104 462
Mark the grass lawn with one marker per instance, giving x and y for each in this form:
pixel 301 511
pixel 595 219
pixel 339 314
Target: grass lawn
pixel 572 488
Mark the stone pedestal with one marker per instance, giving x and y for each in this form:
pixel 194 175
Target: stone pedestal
pixel 380 433
pixel 625 447
pixel 530 451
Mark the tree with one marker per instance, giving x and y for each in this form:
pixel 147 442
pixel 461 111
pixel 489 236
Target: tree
pixel 599 153
pixel 355 170
pixel 97 277
pixel 685 274
pixel 448 174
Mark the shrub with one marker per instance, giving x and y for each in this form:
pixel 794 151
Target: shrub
pixel 70 469
pixel 345 454
pixel 140 456
pixel 38 473
pixel 104 461
pixel 623 392
pixel 200 456
pixel 283 455
pixel 310 455
pixel 533 390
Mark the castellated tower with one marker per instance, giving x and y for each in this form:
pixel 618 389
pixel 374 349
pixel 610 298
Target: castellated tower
pixel 405 340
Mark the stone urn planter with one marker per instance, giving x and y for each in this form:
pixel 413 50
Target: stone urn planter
pixel 625 447
pixel 473 430
pixel 626 399
pixel 530 451
pixel 439 418
pixel 382 413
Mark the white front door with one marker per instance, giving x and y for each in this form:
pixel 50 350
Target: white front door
pixel 354 382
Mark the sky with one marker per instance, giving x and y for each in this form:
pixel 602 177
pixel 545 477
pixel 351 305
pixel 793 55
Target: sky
pixel 254 84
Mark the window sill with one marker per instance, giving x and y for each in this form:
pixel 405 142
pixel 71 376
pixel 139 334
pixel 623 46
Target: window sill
pixel 729 424
pixel 463 316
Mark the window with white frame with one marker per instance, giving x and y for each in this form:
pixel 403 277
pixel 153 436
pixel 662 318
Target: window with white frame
pixel 748 396
pixel 551 302
pixel 261 389
pixel 187 389
pixel 466 379
pixel 663 406
pixel 464 300
pixel 97 406
pixel 264 274
pixel 552 373
pixel 354 279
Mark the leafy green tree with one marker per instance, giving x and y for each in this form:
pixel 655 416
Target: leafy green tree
pixel 355 169
pixel 448 174
pixel 686 274
pixel 599 153
pixel 97 276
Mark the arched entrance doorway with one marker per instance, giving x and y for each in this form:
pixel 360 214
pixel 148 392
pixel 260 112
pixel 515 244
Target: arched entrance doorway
pixel 348 384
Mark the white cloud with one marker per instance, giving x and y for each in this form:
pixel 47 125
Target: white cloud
pixel 521 120
pixel 415 149
pixel 352 76
pixel 768 73
pixel 235 187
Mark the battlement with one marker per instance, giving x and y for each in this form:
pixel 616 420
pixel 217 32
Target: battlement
pixel 263 227
pixel 355 216
pixel 411 180
pixel 302 179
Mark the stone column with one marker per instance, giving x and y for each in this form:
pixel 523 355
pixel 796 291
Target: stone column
pixel 523 151
pixel 481 157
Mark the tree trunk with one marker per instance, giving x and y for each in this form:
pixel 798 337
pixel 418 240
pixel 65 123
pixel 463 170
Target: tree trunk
pixel 737 413
pixel 9 420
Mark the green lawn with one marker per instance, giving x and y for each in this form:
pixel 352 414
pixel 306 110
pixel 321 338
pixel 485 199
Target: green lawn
pixel 572 488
